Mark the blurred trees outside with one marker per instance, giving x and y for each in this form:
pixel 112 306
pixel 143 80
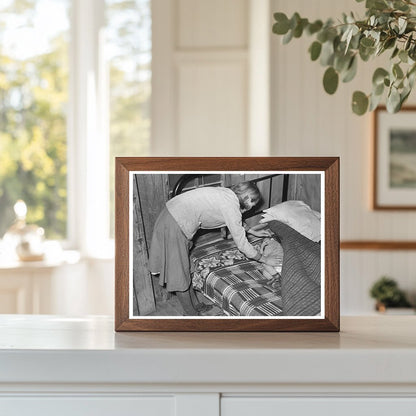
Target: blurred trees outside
pixel 34 103
pixel 129 46
pixel 33 99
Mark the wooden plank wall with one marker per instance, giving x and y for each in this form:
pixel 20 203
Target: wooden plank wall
pixel 306 188
pixel 142 283
pixel 149 198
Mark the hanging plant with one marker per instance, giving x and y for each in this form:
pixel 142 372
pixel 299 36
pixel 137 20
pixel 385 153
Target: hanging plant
pixel 388 27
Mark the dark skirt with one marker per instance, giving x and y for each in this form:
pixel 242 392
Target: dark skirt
pixel 169 254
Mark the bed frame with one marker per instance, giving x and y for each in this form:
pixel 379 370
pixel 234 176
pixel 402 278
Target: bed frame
pixel 185 179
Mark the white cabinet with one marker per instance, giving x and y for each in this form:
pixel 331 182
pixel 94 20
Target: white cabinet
pixel 51 365
pixel 323 406
pixel 88 406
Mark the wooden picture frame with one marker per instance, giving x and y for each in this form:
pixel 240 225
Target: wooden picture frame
pixel 133 175
pixel 394 158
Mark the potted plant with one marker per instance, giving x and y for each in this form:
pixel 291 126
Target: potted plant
pixel 387 294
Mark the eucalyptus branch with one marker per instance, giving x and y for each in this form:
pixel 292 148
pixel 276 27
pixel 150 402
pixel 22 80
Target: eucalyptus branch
pixel 389 25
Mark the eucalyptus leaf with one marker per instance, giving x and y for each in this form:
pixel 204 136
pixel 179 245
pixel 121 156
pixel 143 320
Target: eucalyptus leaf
pixel 376 4
pixel 412 52
pixel 366 53
pixel 359 103
pixel 315 50
pixel 374 102
pixel 405 93
pixel 351 32
pixel 395 52
pixel 327 54
pixel 281 26
pixel 411 78
pixel 367 42
pixel 379 75
pixel 395 27
pixel 337 44
pixel 378 89
pixel 294 21
pixel 404 96
pixel 355 41
pixel 393 101
pixel 402 22
pixel 412 70
pixel 376 36
pixel 350 18
pixel 322 36
pixel 298 30
pixel 350 73
pixel 408 42
pixel 330 80
pixel 400 5
pixel 403 56
pixel 397 71
pixel 389 43
pixel 288 37
pixel 342 62
pixel 346 34
pixel 314 27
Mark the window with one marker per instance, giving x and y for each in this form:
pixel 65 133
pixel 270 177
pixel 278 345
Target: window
pixel 129 46
pixel 75 87
pixel 33 99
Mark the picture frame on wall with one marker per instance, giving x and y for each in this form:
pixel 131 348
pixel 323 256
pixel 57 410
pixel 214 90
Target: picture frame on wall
pixel 394 150
pixel 227 244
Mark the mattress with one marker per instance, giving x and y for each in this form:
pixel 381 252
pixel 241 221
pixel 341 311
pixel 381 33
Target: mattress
pixel 233 282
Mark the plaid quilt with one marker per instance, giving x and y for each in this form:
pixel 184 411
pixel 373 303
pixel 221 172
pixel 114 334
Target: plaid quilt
pixel 233 282
pixel 301 272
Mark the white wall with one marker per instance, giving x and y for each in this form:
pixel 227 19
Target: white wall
pixel 210 66
pixel 204 80
pixel 308 122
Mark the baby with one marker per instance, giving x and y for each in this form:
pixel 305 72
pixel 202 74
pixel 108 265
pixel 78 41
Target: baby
pixel 271 248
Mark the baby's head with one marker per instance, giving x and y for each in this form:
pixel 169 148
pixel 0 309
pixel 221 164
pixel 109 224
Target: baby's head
pixel 248 194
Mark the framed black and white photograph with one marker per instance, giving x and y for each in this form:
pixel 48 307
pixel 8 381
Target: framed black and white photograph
pixel 394 159
pixel 227 244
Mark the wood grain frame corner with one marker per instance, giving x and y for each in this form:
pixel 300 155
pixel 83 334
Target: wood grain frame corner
pixel 329 165
pixel 375 122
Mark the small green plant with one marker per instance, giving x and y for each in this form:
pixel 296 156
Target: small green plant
pixel 389 26
pixel 387 293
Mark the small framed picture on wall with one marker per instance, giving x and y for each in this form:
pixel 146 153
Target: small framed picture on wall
pixel 227 244
pixel 394 179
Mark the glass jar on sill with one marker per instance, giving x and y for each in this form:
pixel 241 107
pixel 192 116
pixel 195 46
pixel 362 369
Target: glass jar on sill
pixel 25 241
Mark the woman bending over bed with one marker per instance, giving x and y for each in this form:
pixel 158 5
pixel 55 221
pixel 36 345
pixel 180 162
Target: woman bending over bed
pixel 209 207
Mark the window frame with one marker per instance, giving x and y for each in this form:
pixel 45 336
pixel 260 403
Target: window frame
pixel 87 133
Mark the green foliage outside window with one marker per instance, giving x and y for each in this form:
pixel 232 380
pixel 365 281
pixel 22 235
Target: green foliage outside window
pixel 129 42
pixel 33 99
pixel 34 103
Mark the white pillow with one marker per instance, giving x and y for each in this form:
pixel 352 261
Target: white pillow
pixel 298 215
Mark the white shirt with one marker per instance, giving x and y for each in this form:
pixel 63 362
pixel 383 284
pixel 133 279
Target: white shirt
pixel 211 207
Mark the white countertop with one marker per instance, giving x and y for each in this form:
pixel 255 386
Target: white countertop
pixel 52 349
